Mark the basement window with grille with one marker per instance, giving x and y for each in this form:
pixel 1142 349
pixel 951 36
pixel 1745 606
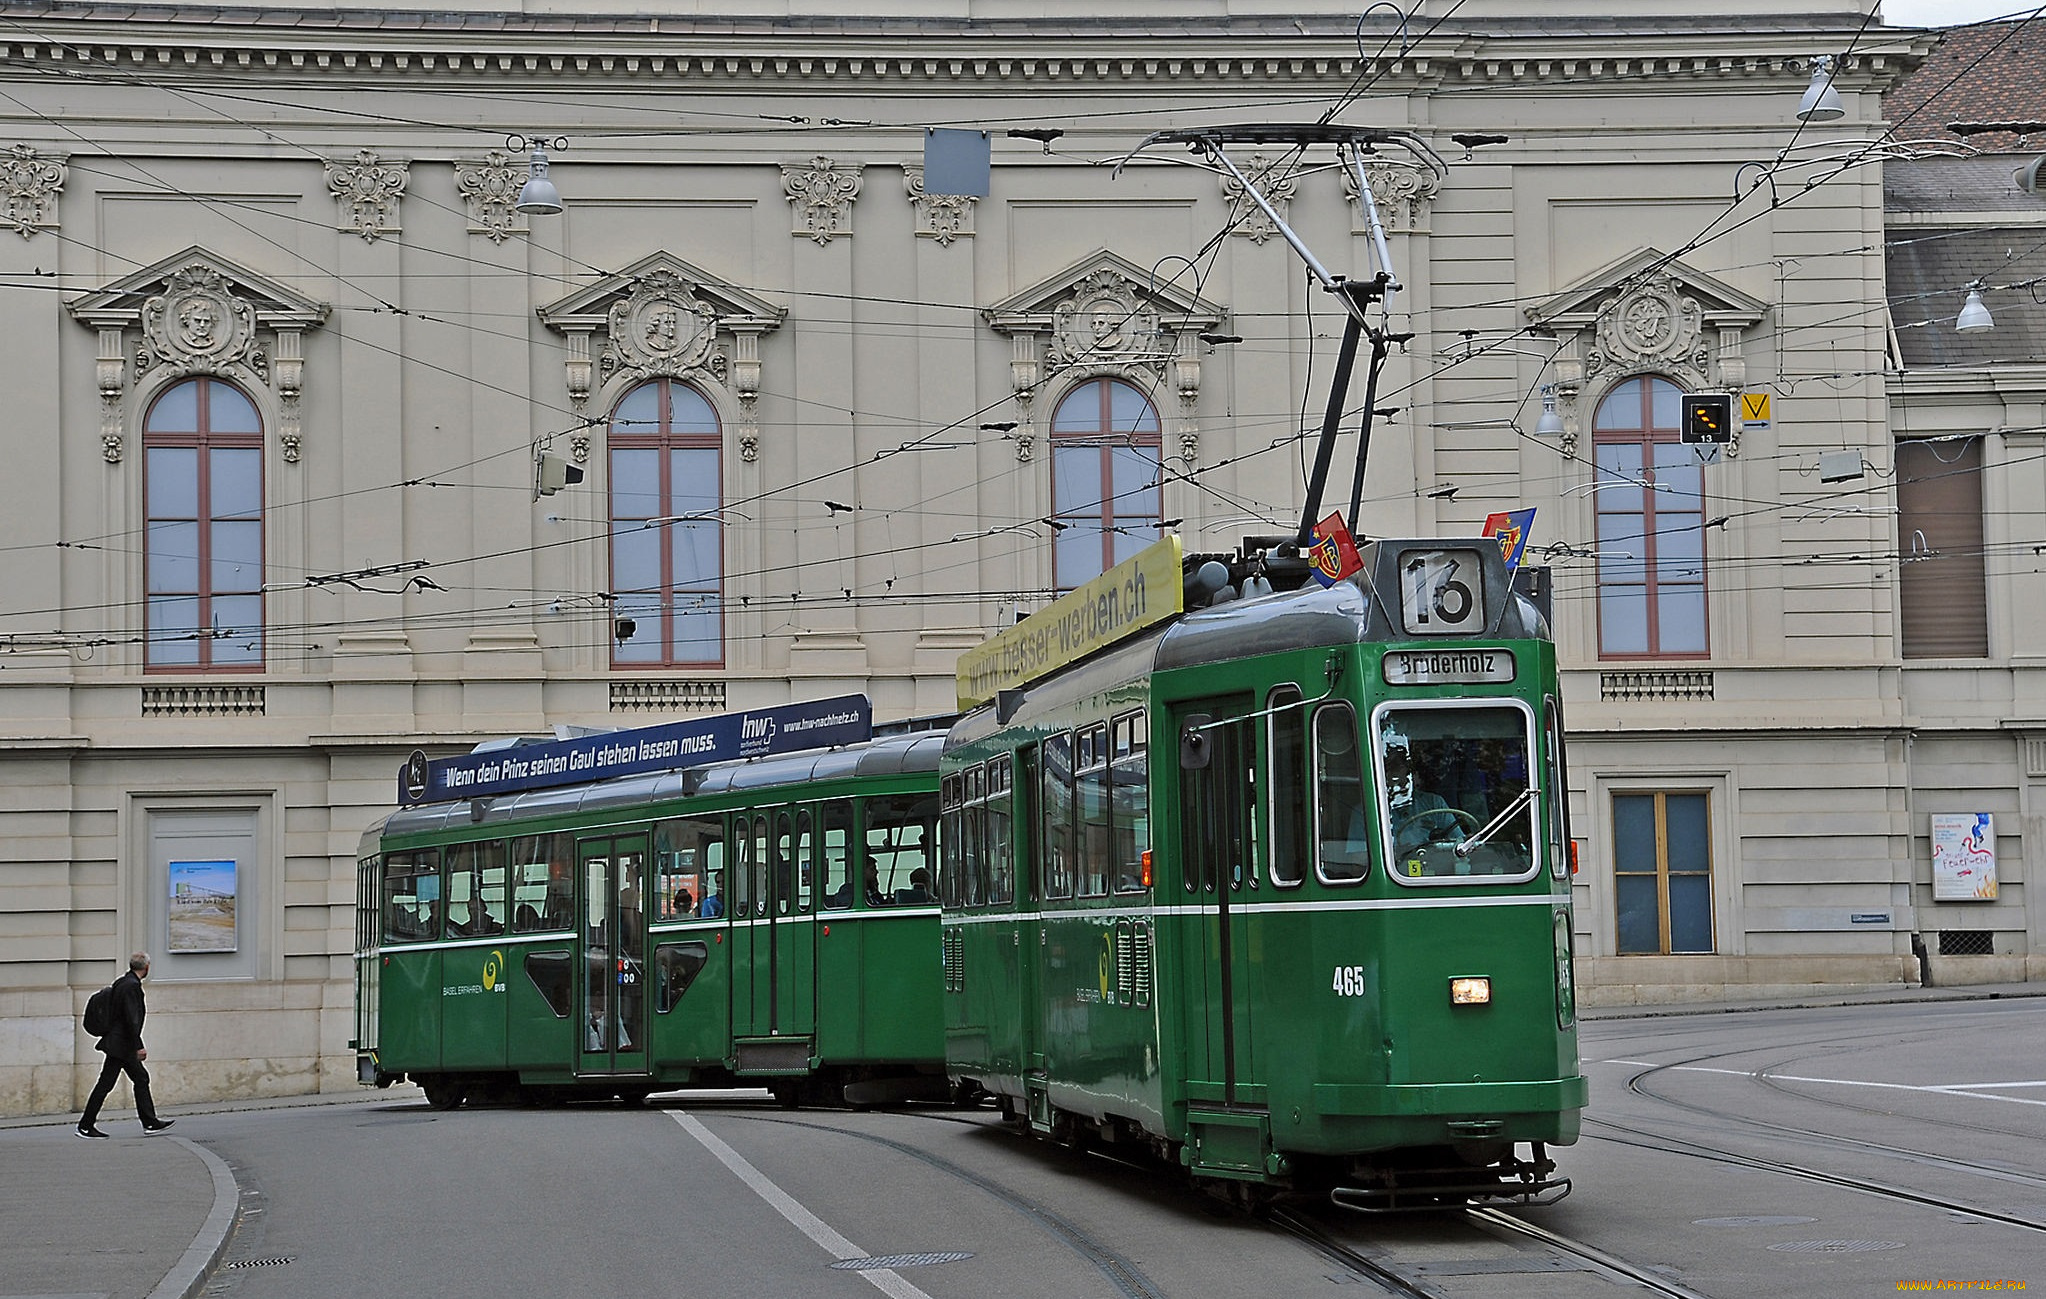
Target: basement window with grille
pixel 1967 942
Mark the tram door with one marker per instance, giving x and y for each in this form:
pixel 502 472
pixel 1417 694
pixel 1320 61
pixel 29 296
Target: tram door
pixel 1018 934
pixel 610 878
pixel 1218 850
pixel 778 853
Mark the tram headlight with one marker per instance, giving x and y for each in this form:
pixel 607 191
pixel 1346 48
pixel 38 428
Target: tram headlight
pixel 1470 990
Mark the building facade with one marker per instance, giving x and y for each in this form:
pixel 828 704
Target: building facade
pixel 288 364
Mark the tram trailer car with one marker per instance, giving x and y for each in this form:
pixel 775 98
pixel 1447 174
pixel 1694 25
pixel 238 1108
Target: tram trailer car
pixel 748 923
pixel 1282 890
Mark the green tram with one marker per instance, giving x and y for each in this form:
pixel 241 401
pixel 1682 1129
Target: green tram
pixel 745 923
pixel 1279 888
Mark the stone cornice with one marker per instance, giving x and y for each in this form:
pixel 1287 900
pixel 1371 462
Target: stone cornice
pixel 197 41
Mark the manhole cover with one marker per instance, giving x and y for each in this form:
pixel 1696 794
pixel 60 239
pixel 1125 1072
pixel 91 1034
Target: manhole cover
pixel 871 1262
pixel 1835 1246
pixel 257 1262
pixel 1753 1220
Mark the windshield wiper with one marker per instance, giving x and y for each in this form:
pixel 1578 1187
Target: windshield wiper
pixel 1493 826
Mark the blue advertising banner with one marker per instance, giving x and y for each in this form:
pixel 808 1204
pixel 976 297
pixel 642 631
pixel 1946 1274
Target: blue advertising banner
pixel 788 728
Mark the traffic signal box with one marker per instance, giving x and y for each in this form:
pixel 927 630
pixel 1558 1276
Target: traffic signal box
pixel 1708 417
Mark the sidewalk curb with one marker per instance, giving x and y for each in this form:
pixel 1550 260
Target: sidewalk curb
pixel 192 1270
pixel 1912 998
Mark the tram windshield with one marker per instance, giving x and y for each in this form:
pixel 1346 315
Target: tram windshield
pixel 1454 792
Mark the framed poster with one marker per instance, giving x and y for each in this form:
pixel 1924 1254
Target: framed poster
pixel 1963 857
pixel 202 904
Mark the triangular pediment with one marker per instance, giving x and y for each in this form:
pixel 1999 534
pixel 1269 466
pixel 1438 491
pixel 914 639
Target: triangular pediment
pixel 121 303
pixel 735 308
pixel 1176 307
pixel 1721 304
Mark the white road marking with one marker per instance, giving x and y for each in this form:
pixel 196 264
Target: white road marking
pixel 1977 1090
pixel 819 1231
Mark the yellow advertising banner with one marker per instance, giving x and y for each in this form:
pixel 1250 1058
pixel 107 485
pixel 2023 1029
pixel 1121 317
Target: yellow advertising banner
pixel 1139 592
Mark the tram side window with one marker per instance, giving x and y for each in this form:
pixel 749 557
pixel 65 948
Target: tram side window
pixel 784 857
pixel 809 859
pixel 476 890
pixel 1130 803
pixel 1057 839
pixel 1291 798
pixel 675 967
pixel 1000 840
pixel 1090 793
pixel 684 849
pixel 412 896
pixel 541 883
pixel 749 873
pixel 976 837
pixel 951 887
pixel 1559 790
pixel 1339 796
pixel 366 894
pixel 837 845
pixel 901 841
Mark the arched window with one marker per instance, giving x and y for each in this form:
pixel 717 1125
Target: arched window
pixel 667 537
pixel 202 548
pixel 1106 467
pixel 1651 525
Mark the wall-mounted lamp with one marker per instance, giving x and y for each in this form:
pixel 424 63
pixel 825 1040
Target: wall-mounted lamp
pixel 1821 103
pixel 1973 315
pixel 537 197
pixel 1550 425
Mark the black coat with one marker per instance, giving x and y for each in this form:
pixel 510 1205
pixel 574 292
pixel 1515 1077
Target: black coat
pixel 124 1039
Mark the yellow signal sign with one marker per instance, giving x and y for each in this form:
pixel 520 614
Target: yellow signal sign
pixel 1754 408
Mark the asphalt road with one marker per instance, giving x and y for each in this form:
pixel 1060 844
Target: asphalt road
pixel 1681 1171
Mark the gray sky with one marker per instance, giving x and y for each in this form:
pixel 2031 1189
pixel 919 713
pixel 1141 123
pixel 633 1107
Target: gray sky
pixel 1945 13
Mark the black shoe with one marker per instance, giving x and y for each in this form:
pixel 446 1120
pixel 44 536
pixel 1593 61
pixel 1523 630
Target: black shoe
pixel 158 1127
pixel 92 1132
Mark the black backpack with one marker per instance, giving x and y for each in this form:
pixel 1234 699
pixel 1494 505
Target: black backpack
pixel 99 1012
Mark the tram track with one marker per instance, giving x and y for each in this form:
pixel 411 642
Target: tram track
pixel 1492 1222
pixel 1300 1224
pixel 1826 1140
pixel 1665 1144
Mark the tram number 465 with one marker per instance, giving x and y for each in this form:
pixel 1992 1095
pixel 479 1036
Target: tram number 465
pixel 1349 981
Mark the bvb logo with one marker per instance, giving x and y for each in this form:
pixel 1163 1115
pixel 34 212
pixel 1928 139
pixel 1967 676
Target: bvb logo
pixel 491 967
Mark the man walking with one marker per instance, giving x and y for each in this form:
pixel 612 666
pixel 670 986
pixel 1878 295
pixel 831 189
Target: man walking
pixel 125 1052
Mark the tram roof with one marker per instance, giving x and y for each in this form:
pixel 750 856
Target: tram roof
pixel 1309 618
pixel 888 755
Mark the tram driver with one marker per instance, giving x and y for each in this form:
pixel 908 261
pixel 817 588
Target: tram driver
pixel 1417 811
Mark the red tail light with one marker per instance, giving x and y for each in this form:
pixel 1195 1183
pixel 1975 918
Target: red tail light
pixel 1145 869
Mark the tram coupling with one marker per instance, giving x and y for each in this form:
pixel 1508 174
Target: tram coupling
pixel 1528 1183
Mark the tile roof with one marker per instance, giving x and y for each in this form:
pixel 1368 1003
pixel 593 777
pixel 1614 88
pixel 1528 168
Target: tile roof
pixel 1972 185
pixel 1929 269
pixel 1990 72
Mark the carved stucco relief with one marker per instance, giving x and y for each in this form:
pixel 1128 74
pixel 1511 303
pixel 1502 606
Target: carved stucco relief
pixel 1405 196
pixel 30 184
pixel 1246 218
pixel 661 319
pixel 821 192
pixel 367 191
pixel 201 319
pixel 490 190
pixel 1100 320
pixel 943 217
